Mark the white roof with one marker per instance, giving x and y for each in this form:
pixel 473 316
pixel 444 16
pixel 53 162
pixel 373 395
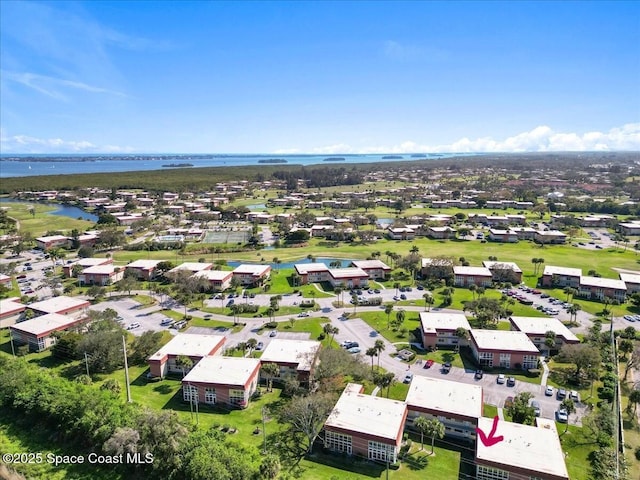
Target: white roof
pixel 304 268
pixel 425 262
pixel 223 370
pixel 475 271
pixel 90 262
pixel 44 324
pixel 291 351
pixel 602 283
pixel 189 344
pixel 144 264
pixel 52 238
pixel 192 267
pixel 630 277
pixel 252 269
pixel 445 396
pixel 503 340
pixel 58 304
pixel 510 265
pixel 541 325
pixel 377 416
pixel 348 272
pixel 99 269
pixel 433 321
pixel 364 264
pixel 551 233
pixel 11 305
pixel 536 449
pixel 569 272
pixel 210 275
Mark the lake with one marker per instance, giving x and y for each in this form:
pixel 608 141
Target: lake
pixel 18 165
pixel 285 265
pixel 61 210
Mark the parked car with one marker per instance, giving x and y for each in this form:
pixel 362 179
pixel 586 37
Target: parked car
pixel 133 325
pixel 511 382
pixel 273 333
pixel 536 407
pixel 407 378
pixel 403 296
pixel 428 363
pixel 259 346
pixel 501 378
pixel 561 416
pixel 166 321
pixel 353 350
pixel 303 314
pixel 549 391
pixel 446 368
pixel 349 345
pixel 562 394
pixel 573 395
pixel 479 374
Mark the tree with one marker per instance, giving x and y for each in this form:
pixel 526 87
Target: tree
pixel 103 349
pixel 568 406
pixel 632 362
pixel 388 308
pixel 473 289
pixel 144 346
pixel 520 410
pixel 128 283
pixel 634 400
pixel 270 371
pixel 434 428
pixel 550 339
pixel 421 424
pixel 380 347
pixel 338 291
pixel 270 466
pixel 581 355
pixel 305 417
pixel 96 292
pixel 384 380
pixel 112 385
pixel 428 301
pixel 185 363
pixel 625 346
pixel 372 352
pixel 400 317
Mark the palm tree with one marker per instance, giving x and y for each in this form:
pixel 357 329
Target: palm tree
pixel 472 289
pixel 428 301
pixel 573 311
pixel 414 249
pixel 400 316
pixel 396 285
pixel 372 352
pixel 184 362
pixel 434 428
pixel 270 371
pixel 380 347
pixel 388 308
pixel 634 400
pixel 569 407
pixel 338 292
pixel 421 424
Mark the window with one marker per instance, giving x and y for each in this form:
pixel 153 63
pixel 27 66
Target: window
pixel 486 359
pixel 190 393
pixel 210 395
pixel 382 452
pixel 529 361
pixel 338 442
pixel 488 473
pixel 236 397
pixel 505 360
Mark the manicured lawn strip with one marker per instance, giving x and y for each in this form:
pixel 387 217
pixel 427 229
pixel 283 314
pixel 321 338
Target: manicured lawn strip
pixel 378 321
pixel 577 449
pixel 489 411
pixel 42 221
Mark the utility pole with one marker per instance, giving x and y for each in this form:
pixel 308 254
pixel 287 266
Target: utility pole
pixel 126 369
pixel 13 351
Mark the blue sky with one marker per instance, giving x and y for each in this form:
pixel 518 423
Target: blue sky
pixel 318 77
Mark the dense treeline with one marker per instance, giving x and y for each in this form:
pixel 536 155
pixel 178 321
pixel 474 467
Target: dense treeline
pixel 87 419
pixel 196 179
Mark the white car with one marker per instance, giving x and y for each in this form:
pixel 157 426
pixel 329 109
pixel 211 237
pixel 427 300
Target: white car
pixel 549 391
pixel 501 379
pixel 303 314
pixel 562 416
pixel 133 326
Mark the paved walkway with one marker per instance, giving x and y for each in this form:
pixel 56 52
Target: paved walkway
pixel 545 373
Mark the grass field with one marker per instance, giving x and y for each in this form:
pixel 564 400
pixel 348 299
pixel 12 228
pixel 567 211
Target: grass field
pixel 42 221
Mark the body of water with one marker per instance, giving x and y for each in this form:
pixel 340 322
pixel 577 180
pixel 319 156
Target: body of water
pixel 343 263
pixel 61 210
pixel 18 165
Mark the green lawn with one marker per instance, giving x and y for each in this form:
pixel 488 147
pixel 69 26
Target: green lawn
pixel 42 222
pixel 489 411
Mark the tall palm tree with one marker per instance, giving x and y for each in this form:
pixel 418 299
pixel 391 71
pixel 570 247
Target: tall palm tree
pixel 388 308
pixel 380 347
pixel 428 301
pixel 434 428
pixel 372 352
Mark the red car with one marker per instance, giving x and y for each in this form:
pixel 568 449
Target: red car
pixel 428 363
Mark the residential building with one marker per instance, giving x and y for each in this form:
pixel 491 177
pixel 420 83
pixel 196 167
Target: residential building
pixel 467 276
pixel 537 327
pixel 62 305
pixel 101 275
pixel 504 236
pixel 632 282
pixel 457 405
pixel 441 233
pixel 250 274
pixel 526 453
pixel 38 332
pixel 375 269
pixel 503 349
pixel 5 280
pixel 630 228
pixel 553 276
pixel 504 271
pixel 549 236
pixel 219 280
pixel 597 288
pixel 351 277
pixel 439 329
pixel 366 426
pixel 222 380
pixel 143 269
pixel 193 267
pixel 296 358
pixel 52 241
pixel 312 272
pixel 401 233
pixel 194 346
pixel 83 263
pixel 10 311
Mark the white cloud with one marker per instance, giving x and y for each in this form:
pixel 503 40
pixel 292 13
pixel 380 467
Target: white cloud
pixel 539 139
pixel 27 144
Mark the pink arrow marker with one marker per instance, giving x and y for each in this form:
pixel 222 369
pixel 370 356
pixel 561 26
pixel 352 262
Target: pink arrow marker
pixel 490 440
